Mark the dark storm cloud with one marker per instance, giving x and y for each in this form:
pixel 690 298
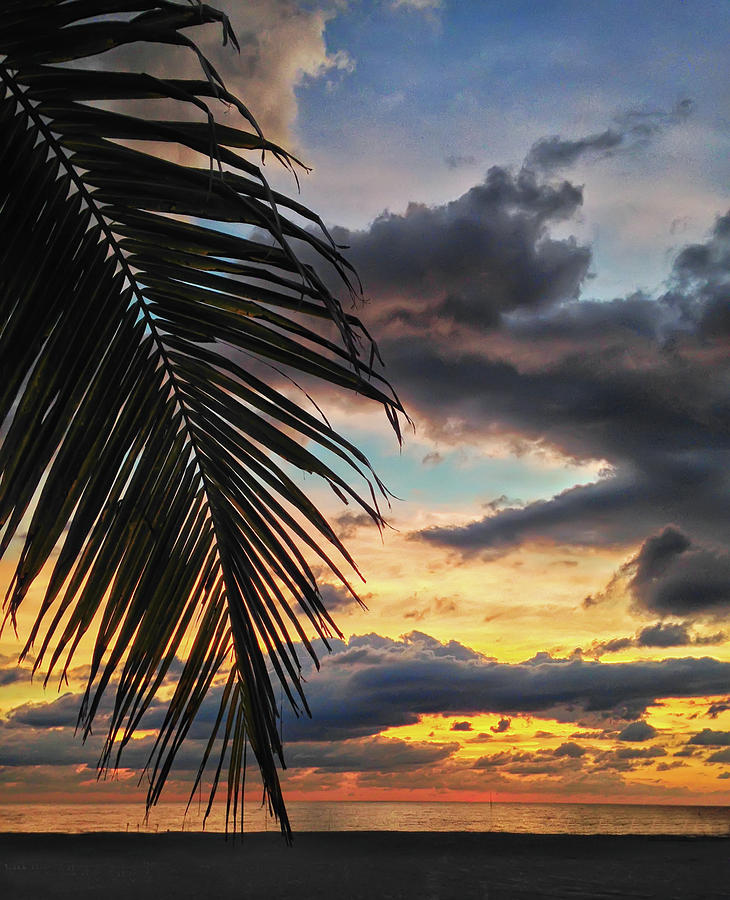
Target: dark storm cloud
pixel 461 726
pixel 471 259
pixel 702 282
pixel 672 575
pixel 632 130
pixel 640 383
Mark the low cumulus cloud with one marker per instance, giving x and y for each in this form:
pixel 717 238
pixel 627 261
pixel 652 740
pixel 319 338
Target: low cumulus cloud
pixel 375 754
pixel 373 683
pixel 722 756
pixel 501 726
pixel 569 761
pixel 709 738
pixel 637 732
pixel 659 635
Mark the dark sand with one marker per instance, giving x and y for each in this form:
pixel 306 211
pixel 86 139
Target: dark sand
pixel 360 866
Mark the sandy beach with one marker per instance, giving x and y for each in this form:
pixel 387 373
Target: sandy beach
pixel 360 866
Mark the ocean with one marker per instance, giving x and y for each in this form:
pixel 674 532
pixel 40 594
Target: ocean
pixel 519 818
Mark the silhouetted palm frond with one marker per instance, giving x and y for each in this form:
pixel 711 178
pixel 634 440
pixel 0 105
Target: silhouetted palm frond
pixel 153 460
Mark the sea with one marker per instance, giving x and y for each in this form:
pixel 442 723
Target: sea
pixel 518 818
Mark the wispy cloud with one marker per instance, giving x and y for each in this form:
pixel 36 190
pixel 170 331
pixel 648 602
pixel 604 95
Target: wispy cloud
pixel 632 130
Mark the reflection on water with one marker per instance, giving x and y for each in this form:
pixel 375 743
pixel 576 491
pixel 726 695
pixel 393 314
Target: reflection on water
pixel 536 818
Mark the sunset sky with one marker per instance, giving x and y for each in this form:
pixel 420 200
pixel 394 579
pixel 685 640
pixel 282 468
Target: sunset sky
pixel 536 198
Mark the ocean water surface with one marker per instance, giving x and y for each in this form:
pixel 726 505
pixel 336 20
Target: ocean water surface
pixel 535 818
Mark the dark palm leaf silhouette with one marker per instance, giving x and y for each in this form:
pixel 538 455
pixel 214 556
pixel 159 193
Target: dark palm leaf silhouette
pixel 153 460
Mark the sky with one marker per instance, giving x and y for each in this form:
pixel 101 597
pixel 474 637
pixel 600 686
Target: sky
pixel 536 197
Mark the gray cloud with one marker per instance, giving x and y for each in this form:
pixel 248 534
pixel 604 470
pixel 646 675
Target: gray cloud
pixel 554 152
pixel 632 130
pixel 702 282
pixel 474 258
pixel 12 676
pixel 672 575
pixel 336 597
pixel 374 754
pixel 501 726
pixel 671 634
pixel 615 645
pixel 568 760
pixel 348 524
pixel 373 683
pixel 661 634
pixel 640 752
pixel 454 161
pixel 709 738
pixel 637 731
pixel 570 749
pixel 716 708
pixel 640 383
pixel 60 713
pixel 722 756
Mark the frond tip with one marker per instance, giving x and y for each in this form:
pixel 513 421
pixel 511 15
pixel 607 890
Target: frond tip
pixel 142 442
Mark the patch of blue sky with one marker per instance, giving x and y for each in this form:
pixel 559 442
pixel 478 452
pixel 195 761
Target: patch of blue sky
pixel 496 77
pixel 538 59
pixel 492 79
pixel 460 476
